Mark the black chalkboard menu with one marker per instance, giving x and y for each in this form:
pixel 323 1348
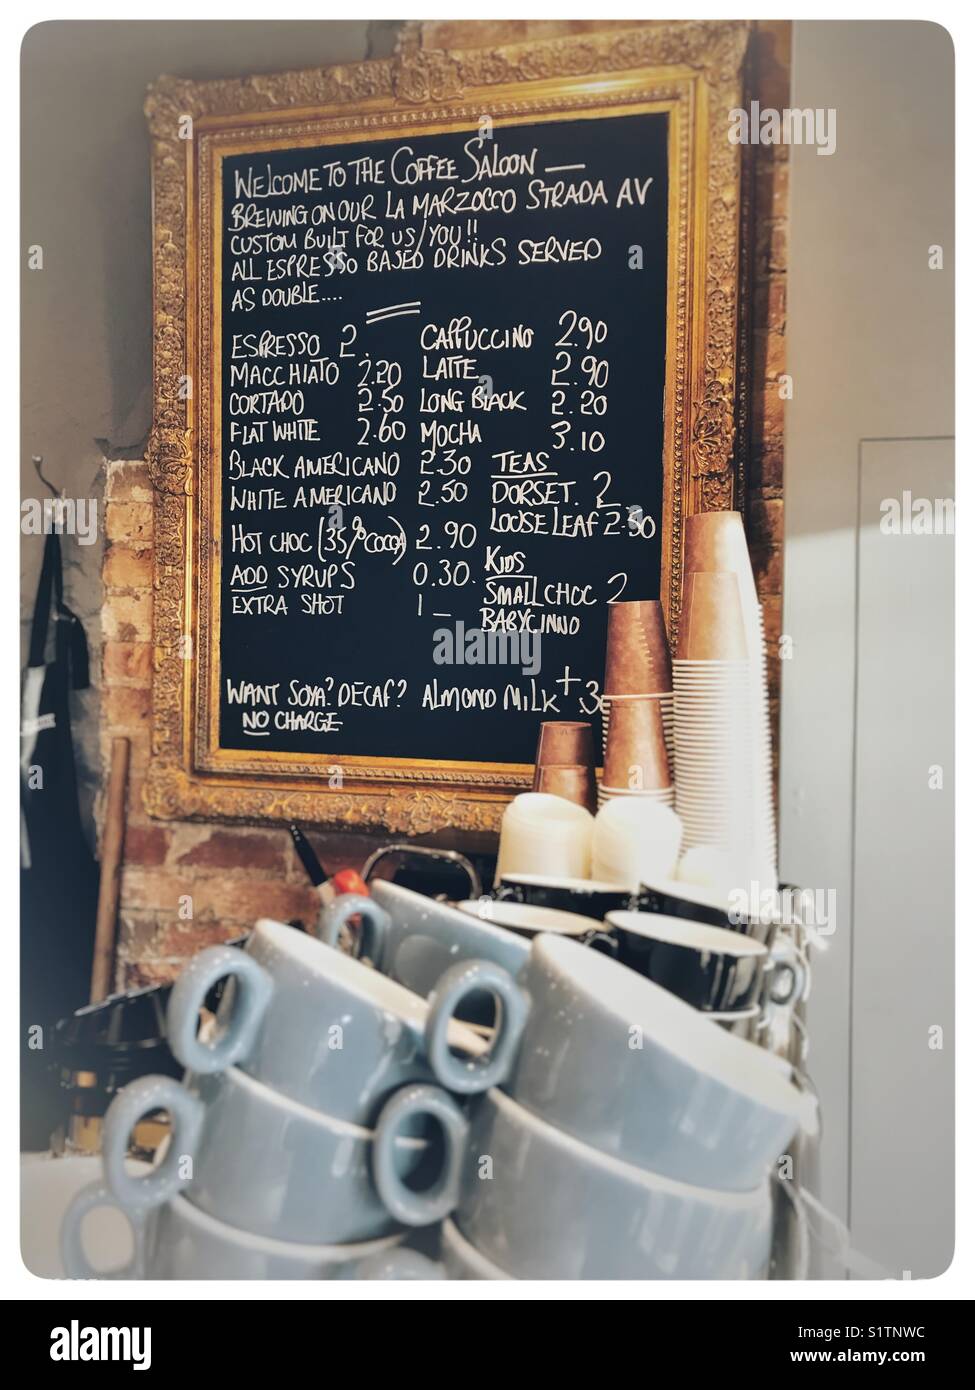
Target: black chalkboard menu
pixel 439 434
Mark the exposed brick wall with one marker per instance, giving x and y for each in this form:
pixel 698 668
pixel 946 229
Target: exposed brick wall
pixel 763 502
pixel 184 885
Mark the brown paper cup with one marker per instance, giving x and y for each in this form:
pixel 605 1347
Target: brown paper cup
pixel 711 624
pixel 577 784
pixel 564 743
pixel 716 541
pixel 636 749
pixel 637 653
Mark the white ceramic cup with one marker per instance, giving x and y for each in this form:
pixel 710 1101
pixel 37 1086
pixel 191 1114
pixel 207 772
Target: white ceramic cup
pixel 178 1241
pixel 311 1023
pixel 634 839
pixel 258 1161
pixel 544 834
pixel 632 1070
pixel 542 1205
pixel 414 939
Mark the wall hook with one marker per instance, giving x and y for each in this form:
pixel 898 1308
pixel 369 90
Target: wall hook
pixel 37 460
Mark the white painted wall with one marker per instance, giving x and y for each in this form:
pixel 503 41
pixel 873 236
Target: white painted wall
pixel 902 1080
pixel 870 349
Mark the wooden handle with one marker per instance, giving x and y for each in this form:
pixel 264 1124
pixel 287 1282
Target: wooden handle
pixel 113 836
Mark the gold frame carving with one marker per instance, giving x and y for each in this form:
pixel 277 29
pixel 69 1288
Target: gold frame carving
pixel 692 70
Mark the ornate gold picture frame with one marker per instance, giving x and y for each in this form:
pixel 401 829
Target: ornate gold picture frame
pixel 692 71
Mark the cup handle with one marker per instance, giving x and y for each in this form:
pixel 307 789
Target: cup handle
pixel 792 973
pixel 183 1014
pixel 73 1257
pixel 128 1107
pixel 476 1074
pixel 375 924
pixel 403 1203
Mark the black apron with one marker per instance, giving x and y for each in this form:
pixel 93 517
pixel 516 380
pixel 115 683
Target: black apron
pixel 59 875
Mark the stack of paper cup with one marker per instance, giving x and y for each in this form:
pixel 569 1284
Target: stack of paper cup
pixel 714 762
pixel 565 764
pixel 636 762
pixel 635 841
pixel 715 541
pixel 637 705
pixel 574 782
pixel 545 834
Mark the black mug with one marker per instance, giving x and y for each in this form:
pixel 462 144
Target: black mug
pixel 584 897
pixel 673 899
pixel 528 919
pixel 713 969
pixel 693 904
